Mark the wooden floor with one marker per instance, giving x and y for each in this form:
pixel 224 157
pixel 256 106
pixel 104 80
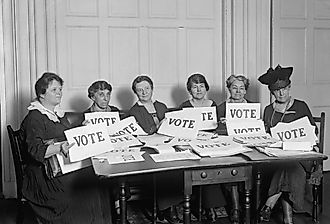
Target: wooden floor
pixel 8 212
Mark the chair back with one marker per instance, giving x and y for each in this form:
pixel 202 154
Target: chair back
pixel 16 144
pixel 320 121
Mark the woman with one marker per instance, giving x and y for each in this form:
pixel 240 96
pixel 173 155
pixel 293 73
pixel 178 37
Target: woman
pixel 76 197
pixel 288 182
pixel 198 87
pixel 99 92
pixel 149 115
pixel 237 86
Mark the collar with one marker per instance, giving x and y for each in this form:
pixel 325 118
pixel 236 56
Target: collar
pixel 52 115
pixel 108 109
pixel 230 100
pixel 290 103
pixel 141 104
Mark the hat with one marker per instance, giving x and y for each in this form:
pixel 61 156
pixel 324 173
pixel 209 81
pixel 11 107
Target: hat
pixel 277 78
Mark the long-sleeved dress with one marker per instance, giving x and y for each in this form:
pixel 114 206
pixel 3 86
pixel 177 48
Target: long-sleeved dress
pixel 290 177
pixel 167 194
pixel 76 197
pixel 212 195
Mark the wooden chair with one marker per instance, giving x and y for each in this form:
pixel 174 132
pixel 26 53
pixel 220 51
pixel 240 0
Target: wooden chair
pixel 16 144
pixel 317 175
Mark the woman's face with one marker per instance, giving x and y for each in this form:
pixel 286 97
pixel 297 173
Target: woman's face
pixel 143 91
pixel 237 90
pixel 198 90
pixel 282 95
pixel 101 98
pixel 53 94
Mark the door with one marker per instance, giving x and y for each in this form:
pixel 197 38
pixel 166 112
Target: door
pixel 117 40
pixel 301 38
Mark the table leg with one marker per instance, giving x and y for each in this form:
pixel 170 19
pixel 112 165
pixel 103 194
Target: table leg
pixel 247 206
pixel 154 209
pixel 186 209
pixel 122 203
pixel 257 200
pixel 315 204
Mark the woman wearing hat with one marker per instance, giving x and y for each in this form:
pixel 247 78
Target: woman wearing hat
pixel 289 180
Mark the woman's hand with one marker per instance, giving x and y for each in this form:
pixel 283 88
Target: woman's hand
pixel 64 148
pixel 86 122
pixel 223 120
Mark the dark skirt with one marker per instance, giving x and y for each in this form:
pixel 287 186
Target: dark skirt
pixel 290 178
pixel 77 197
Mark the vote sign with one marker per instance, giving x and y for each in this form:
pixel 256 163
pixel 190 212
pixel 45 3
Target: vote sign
pixel 245 127
pixel 300 130
pixel 238 111
pixel 88 141
pixel 178 124
pixel 126 126
pixel 125 140
pixel 107 118
pixel 206 117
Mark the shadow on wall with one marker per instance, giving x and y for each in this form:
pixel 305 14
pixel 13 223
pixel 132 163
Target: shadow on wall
pixel 179 95
pixel 125 97
pixel 79 103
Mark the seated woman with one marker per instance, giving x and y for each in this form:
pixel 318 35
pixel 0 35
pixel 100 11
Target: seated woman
pixel 100 93
pixel 197 86
pixel 289 180
pixel 212 195
pixel 237 86
pixel 149 115
pixel 76 197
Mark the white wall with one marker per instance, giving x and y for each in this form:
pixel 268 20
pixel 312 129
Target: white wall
pixel 28 50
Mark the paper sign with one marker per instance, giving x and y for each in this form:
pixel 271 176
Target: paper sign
pixel 122 156
pixel 242 111
pixel 224 147
pixel 207 117
pixel 178 125
pixel 107 118
pixel 245 127
pixel 125 140
pixel 67 166
pixel 299 130
pixel 88 141
pixel 298 146
pixel 126 126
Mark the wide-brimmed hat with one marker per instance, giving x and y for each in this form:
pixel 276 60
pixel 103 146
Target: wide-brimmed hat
pixel 277 78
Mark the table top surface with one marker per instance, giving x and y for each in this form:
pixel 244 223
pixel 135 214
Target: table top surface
pixel 103 168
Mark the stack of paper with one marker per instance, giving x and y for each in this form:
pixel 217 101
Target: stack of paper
pixel 168 152
pixel 255 140
pixel 224 146
pixel 123 155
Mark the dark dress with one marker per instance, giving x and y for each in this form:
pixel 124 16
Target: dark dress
pixel 221 113
pixel 167 194
pixel 291 178
pixel 145 119
pixel 112 109
pixel 212 195
pixel 76 197
pixel 187 103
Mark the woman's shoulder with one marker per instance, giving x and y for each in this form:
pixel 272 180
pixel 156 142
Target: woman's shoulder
pixel 185 104
pixel 160 104
pixel 114 109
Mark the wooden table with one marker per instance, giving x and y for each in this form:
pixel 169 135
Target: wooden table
pixel 196 172
pixel 200 172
